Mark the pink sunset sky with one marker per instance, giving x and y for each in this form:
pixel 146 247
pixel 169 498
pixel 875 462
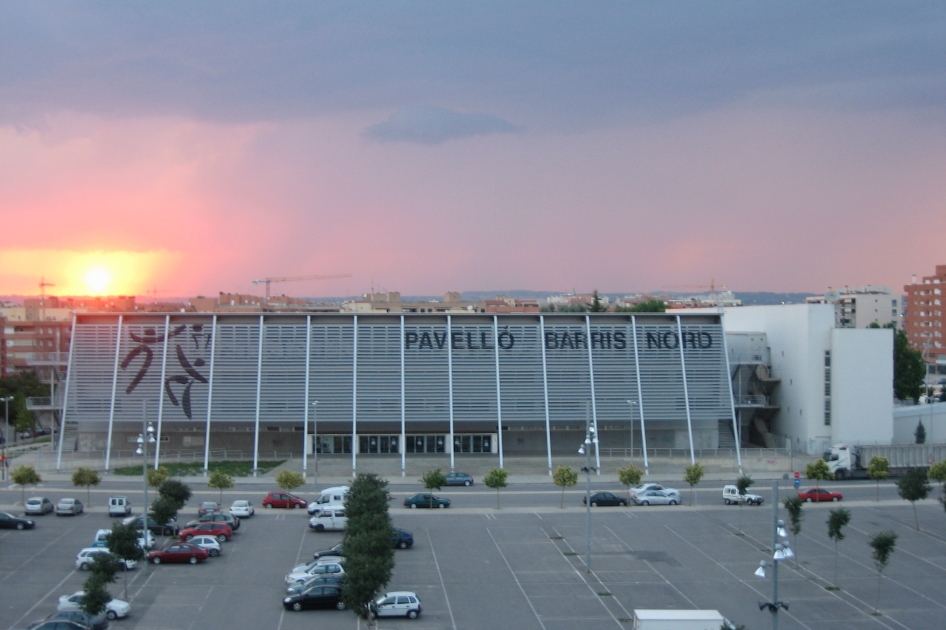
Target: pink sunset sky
pixel 429 147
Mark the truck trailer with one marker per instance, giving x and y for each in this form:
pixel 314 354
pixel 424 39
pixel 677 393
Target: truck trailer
pixel 851 462
pixel 645 619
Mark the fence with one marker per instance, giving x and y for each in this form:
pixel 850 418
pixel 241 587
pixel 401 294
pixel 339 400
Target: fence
pixel 699 453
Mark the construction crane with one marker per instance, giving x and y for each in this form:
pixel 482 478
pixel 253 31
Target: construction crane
pixel 267 281
pixel 711 286
pixel 42 296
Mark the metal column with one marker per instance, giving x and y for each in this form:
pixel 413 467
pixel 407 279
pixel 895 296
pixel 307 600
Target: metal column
pixel 164 363
pixel 111 408
pixel 545 391
pixel 499 398
pixel 686 392
pixel 732 403
pixel 210 395
pixel 65 395
pixel 305 406
pixel 354 396
pixel 640 394
pixel 594 406
pixel 403 444
pixel 450 384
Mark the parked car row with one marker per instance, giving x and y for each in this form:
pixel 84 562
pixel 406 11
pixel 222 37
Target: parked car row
pixel 41 506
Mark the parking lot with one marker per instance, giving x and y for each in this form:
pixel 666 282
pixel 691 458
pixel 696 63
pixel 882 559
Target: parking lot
pixel 521 567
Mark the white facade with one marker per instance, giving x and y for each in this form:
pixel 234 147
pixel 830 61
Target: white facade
pixel 859 307
pixel 861 386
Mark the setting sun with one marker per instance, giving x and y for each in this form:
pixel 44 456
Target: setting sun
pixel 97 279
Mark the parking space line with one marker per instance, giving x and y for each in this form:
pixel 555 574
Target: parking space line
pixel 43 598
pixel 282 614
pixel 585 581
pixel 516 578
pixel 901 549
pixel 40 552
pixel 440 575
pixel 652 568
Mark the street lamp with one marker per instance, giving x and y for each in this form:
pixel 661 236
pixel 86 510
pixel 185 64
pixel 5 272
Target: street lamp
pixel 782 551
pixel 585 449
pixel 143 450
pixel 6 420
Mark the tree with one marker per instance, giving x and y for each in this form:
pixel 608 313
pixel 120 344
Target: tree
pixel 919 434
pixel 95 596
pixel 496 478
pixel 648 306
pixel 289 480
pixel 692 475
pixel 630 476
pixel 793 505
pixel 837 521
pixel 742 485
pixel 913 487
pixel 175 491
pixel 909 369
pixel 123 542
pixel 88 478
pixel 564 477
pixel 25 476
pixel 818 471
pixel 937 472
pixel 433 480
pixel 596 305
pixel 883 543
pixel 877 469
pixel 158 476
pixel 105 566
pixel 220 480
pixel 369 555
pixel 163 509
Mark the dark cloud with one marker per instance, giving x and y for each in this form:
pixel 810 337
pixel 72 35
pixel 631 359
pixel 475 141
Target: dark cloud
pixel 435 125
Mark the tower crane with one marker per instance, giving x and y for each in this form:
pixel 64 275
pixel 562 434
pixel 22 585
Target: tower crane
pixel 268 281
pixel 711 286
pixel 42 296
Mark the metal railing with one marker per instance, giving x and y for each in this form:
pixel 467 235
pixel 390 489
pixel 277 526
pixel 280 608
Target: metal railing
pixel 699 453
pixel 756 400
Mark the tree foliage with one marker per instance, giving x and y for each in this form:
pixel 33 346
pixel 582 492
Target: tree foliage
pixel 937 472
pixel 157 476
pixel 818 470
pixel 289 480
pixel 647 306
pixel 913 487
pixel 909 369
pixel 175 491
pixel 21 386
pixel 123 542
pixel 597 305
pixel 496 478
pixel 95 596
pixel 877 469
pixel 883 545
pixel 793 505
pixel 564 477
pixel 693 474
pixel 369 555
pixel 837 520
pixel 743 482
pixel 630 477
pixel 919 434
pixel 163 509
pixel 86 477
pixel 106 567
pixel 220 480
pixel 433 480
pixel 25 476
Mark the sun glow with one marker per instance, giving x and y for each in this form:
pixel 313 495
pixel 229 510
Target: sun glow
pixel 97 279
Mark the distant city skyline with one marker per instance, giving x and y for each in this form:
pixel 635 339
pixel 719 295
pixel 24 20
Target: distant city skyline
pixel 429 147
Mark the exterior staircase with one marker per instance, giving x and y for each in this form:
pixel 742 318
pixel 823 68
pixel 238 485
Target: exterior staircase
pixel 726 437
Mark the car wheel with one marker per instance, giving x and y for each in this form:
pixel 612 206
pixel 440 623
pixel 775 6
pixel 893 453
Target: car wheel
pixel 320 528
pixel 188 538
pixel 112 615
pixel 672 502
pixel 214 553
pixel 412 614
pixel 466 483
pixel 222 538
pixel 156 560
pixel 20 525
pixel 594 504
pixel 413 506
pixel 297 506
pixel 834 498
pixel 297 606
pixel 193 560
pixel 441 506
pixel 645 502
pixel 402 545
pixel 84 566
pixel 267 505
pixel 340 606
pixel 809 499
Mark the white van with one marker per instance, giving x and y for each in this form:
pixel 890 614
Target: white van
pixel 731 495
pixel 329 519
pixel 119 506
pixel 330 497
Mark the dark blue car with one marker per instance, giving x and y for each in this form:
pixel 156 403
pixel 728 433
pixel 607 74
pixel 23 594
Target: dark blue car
pixel 459 479
pixel 402 539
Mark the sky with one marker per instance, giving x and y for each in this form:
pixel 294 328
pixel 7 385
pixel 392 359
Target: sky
pixel 189 148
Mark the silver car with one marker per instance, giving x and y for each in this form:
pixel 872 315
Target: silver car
pixel 655 497
pixel 210 543
pixel 38 505
pixel 397 604
pixel 69 506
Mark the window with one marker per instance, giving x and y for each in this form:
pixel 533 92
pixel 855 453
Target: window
pixel 827 412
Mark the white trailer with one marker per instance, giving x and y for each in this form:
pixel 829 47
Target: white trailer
pixel 645 619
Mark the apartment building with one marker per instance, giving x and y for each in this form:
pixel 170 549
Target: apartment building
pixel 923 319
pixel 859 307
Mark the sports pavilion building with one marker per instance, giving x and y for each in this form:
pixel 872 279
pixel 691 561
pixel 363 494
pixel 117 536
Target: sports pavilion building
pixel 396 385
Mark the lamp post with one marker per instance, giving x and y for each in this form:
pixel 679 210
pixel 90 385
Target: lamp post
pixel 585 449
pixel 782 551
pixel 143 450
pixel 315 440
pixel 6 436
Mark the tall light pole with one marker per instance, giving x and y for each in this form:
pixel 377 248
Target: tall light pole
pixel 143 450
pixel 585 449
pixel 315 440
pixel 6 420
pixel 781 552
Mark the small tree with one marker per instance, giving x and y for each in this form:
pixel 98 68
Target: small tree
pixel 25 476
pixel 289 480
pixel 369 555
pixel 818 470
pixel 597 305
pixel 793 505
pixel 742 485
pixel 883 543
pixel 88 478
pixel 123 542
pixel 105 566
pixel 630 476
pixel 496 478
pixel 157 476
pixel 433 480
pixel 937 472
pixel 913 487
pixel 920 433
pixel 162 510
pixel 175 491
pixel 837 521
pixel 877 469
pixel 95 596
pixel 220 480
pixel 692 475
pixel 564 477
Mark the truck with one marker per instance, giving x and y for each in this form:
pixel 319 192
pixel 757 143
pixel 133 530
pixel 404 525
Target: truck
pixel 850 462
pixel 647 619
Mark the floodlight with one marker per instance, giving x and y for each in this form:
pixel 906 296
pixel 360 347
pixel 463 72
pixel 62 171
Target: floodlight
pixel 760 572
pixel 581 449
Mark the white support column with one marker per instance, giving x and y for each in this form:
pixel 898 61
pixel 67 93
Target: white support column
pixel 594 405
pixel 164 362
pixel 354 396
pixel 111 407
pixel 732 402
pixel 545 393
pixel 403 445
pixel 450 386
pixel 65 394
pixel 499 398
pixel 640 394
pixel 686 391
pixel 305 406
pixel 210 395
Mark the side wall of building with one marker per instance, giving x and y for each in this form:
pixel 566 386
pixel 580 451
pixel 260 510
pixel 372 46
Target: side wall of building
pixel 861 386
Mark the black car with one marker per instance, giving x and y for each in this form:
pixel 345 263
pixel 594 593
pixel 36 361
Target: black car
pixel 329 596
pixel 402 538
pixel 168 529
pixel 426 500
pixel 604 499
pixel 459 479
pixel 9 521
pixel 331 551
pixel 218 517
pixel 81 619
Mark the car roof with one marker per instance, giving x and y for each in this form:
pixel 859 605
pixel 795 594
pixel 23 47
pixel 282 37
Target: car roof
pixel 395 593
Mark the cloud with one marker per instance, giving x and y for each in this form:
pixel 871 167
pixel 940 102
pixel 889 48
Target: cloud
pixel 435 125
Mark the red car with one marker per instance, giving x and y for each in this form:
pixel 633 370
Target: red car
pixel 221 531
pixel 283 500
pixel 178 552
pixel 819 494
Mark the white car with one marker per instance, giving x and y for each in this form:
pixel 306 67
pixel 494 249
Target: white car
pixel 397 604
pixel 671 492
pixel 114 609
pixel 84 559
pixel 328 568
pixel 210 543
pixel 242 509
pixel 145 538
